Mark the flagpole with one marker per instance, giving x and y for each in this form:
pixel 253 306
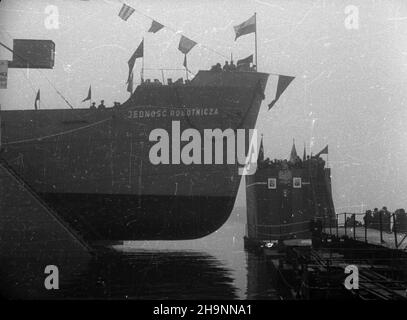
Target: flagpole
pixel 142 65
pixel 255 38
pixel 186 67
pixel 0 127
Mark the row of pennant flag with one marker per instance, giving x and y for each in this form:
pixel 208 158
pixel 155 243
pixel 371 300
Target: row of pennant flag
pixel 186 45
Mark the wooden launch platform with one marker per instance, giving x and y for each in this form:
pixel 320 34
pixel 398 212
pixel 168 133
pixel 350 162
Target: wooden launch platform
pixel 33 237
pixel 28 227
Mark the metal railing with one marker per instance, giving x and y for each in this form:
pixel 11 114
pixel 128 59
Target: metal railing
pixel 379 222
pixel 278 231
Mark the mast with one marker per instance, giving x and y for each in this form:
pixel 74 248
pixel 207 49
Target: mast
pixel 142 65
pixel 255 38
pixel 0 127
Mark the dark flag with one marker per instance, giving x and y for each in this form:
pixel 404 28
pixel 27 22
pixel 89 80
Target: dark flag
pixel 37 100
pixel 304 155
pixel 139 53
pixel 246 27
pixel 130 84
pixel 261 151
pixel 323 151
pixel 125 12
pixel 293 155
pixel 247 60
pixel 155 27
pixel 283 83
pixel 185 45
pixel 89 97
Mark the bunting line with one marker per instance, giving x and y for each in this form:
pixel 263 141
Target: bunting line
pixel 175 31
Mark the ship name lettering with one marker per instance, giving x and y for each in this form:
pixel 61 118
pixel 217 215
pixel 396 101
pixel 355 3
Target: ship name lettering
pixel 163 113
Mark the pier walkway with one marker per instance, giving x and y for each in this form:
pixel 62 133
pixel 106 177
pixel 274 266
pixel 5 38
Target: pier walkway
pixel 371 236
pixel 390 236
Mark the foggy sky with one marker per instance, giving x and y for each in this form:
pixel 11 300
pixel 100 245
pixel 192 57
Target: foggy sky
pixel 349 91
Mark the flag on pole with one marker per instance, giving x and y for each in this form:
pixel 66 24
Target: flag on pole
pixel 155 27
pixel 89 97
pixel 185 45
pixel 293 155
pixel 125 12
pixel 249 26
pixel 139 53
pixel 283 83
pixel 130 84
pixel 37 100
pixel 323 151
pixel 245 61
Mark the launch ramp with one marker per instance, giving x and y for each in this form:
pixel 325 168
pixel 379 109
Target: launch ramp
pixel 28 227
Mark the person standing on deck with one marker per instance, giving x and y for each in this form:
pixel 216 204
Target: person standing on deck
pixel 102 105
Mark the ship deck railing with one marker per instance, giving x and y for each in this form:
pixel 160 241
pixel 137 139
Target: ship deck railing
pixel 278 231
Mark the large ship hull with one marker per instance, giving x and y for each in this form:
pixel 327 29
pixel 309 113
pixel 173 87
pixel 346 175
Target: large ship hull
pixel 94 166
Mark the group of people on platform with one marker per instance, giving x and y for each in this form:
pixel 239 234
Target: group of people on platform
pixel 230 67
pixel 382 219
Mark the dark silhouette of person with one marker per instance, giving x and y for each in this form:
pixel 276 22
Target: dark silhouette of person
pixel 376 219
pixel 102 105
pixel 232 66
pixel 217 67
pixel 93 106
pixel 386 219
pixel 226 67
pixel 368 218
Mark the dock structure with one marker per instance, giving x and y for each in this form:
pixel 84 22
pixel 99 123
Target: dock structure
pixel 391 235
pixel 32 237
pixel 304 272
pixel 293 226
pixel 372 236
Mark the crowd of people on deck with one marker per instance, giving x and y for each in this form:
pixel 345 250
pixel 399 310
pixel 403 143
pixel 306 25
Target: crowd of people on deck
pixel 230 67
pixel 290 164
pixel 102 105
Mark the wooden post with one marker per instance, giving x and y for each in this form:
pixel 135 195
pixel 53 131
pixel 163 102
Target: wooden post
pixel 395 230
pixel 330 225
pixel 354 226
pixel 380 226
pixel 345 226
pixel 337 226
pixel 365 228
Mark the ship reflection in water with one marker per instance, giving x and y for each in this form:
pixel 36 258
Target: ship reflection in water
pixel 215 267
